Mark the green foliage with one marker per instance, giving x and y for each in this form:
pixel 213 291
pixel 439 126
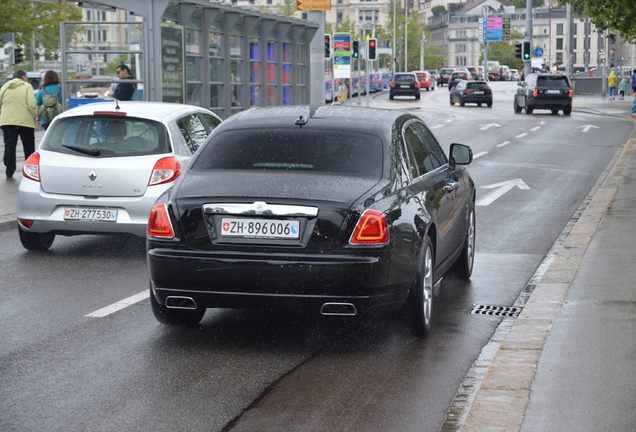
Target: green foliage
pixel 28 19
pixel 618 15
pixel 439 9
pixel 504 53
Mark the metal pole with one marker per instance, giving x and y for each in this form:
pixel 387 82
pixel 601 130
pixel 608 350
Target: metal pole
pixel 406 36
pixel 393 51
pixel 527 64
pixel 422 52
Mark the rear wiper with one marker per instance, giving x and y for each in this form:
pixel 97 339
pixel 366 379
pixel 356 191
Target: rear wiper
pixel 83 150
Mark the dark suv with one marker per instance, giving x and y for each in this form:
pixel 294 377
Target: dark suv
pixel 444 75
pixel 544 91
pixel 457 76
pixel 404 84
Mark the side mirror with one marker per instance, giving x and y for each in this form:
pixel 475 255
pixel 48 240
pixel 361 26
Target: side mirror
pixel 460 154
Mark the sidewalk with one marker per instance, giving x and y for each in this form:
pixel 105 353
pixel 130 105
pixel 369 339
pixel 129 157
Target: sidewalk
pixel 568 362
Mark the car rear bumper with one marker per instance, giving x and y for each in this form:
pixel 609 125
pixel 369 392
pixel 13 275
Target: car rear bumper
pixel 404 92
pixel 549 103
pixel 47 210
pixel 477 99
pixel 256 281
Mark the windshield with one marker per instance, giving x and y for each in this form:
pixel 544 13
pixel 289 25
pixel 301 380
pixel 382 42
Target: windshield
pixel 553 82
pixel 107 136
pixel 297 149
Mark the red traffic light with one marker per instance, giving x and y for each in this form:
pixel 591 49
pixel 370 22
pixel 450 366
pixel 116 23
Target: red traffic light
pixel 371 42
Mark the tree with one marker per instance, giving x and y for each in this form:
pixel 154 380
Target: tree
pixel 618 15
pixel 34 19
pixel 438 10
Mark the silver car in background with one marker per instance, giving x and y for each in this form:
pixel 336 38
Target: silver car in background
pixel 101 166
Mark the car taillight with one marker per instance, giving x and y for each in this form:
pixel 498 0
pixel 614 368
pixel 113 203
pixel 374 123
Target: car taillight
pixel 31 167
pixel 570 93
pixel 392 84
pixel 535 93
pixel 371 229
pixel 165 170
pixel 488 91
pixel 417 84
pixel 159 224
pixel 468 91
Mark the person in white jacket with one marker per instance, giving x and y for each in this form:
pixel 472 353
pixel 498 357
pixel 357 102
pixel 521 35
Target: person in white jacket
pixel 17 118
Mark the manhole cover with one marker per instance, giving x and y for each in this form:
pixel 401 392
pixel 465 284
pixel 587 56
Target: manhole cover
pixel 505 311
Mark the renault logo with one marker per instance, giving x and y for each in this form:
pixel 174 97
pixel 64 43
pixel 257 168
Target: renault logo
pixel 92 175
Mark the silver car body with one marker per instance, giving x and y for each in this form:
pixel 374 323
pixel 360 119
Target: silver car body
pixel 71 180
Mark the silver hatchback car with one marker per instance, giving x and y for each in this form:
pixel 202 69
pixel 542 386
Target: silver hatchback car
pixel 101 166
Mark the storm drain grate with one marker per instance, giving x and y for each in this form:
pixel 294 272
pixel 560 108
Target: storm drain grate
pixel 505 311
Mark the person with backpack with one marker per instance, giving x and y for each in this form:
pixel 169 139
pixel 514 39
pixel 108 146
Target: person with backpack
pixel 49 99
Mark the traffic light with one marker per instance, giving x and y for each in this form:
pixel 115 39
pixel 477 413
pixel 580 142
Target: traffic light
pixel 518 53
pixel 527 50
pixel 356 49
pixel 372 53
pixel 18 57
pixel 327 47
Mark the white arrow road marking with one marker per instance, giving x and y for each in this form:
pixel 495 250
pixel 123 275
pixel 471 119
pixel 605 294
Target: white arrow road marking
pixel 521 135
pixel 479 154
pixel 535 128
pixel 503 188
pixel 503 144
pixel 488 126
pixel 449 120
pixel 437 126
pixel 119 305
pixel 586 128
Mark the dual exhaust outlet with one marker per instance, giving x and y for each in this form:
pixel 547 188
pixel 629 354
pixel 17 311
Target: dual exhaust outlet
pixel 327 309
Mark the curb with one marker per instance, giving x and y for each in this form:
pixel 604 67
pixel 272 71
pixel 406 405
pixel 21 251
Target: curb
pixel 509 378
pixel 8 222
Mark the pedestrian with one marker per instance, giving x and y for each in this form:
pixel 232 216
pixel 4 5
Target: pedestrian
pixel 611 84
pixel 634 109
pixel 124 91
pixel 49 99
pixel 632 78
pixel 17 118
pixel 622 87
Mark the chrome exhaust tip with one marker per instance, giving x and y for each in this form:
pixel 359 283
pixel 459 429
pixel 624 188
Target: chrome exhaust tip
pixel 343 309
pixel 177 302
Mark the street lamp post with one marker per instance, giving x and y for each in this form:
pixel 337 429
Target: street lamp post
pixel 422 44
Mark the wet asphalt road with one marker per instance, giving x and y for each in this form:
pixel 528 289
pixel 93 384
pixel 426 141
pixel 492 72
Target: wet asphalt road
pixel 61 370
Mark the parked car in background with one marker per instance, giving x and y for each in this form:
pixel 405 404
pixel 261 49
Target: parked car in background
pixel 478 92
pixel 34 78
pixel 434 73
pixel 329 210
pixel 444 76
pixel 544 91
pixel 504 73
pixel 404 84
pixel 457 76
pixel 426 80
pixel 99 88
pixel 100 168
pixel 514 75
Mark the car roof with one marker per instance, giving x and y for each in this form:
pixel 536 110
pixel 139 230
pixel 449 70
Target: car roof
pixel 157 111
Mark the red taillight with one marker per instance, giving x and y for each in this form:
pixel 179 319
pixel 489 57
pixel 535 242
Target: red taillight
pixel 371 229
pixel 417 84
pixel 165 170
pixel 31 167
pixel 488 91
pixel 27 223
pixel 393 84
pixel 468 91
pixel 159 224
pixel 570 93
pixel 535 93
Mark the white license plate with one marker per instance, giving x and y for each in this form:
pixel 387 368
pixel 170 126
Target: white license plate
pixel 553 91
pixel 260 228
pixel 479 92
pixel 405 86
pixel 90 214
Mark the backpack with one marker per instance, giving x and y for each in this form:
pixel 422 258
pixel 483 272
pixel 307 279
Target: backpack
pixel 51 106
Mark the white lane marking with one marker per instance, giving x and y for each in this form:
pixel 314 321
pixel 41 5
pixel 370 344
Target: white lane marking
pixel 586 128
pixel 450 120
pixel 119 305
pixel 479 154
pixel 521 135
pixel 503 187
pixel 488 126
pixel 437 126
pixel 535 128
pixel 503 144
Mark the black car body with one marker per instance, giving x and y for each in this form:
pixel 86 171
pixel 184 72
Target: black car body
pixel 330 209
pixel 474 72
pixel 457 76
pixel 478 92
pixel 544 91
pixel 404 84
pixel 444 75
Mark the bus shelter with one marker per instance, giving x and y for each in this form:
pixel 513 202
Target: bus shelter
pixel 215 55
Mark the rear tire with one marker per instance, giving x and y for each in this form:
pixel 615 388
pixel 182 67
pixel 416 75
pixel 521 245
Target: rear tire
pixel 421 297
pixel 36 241
pixel 466 260
pixel 461 103
pixel 567 111
pixel 489 104
pixel 529 109
pixel 175 316
pixel 517 107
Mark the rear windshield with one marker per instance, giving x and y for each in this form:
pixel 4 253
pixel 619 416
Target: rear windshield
pixel 404 78
pixel 107 136
pixel 298 149
pixel 477 86
pixel 553 82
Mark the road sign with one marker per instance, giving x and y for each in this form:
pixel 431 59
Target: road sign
pixel 494 29
pixel 538 52
pixel 313 5
pixel 342 55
